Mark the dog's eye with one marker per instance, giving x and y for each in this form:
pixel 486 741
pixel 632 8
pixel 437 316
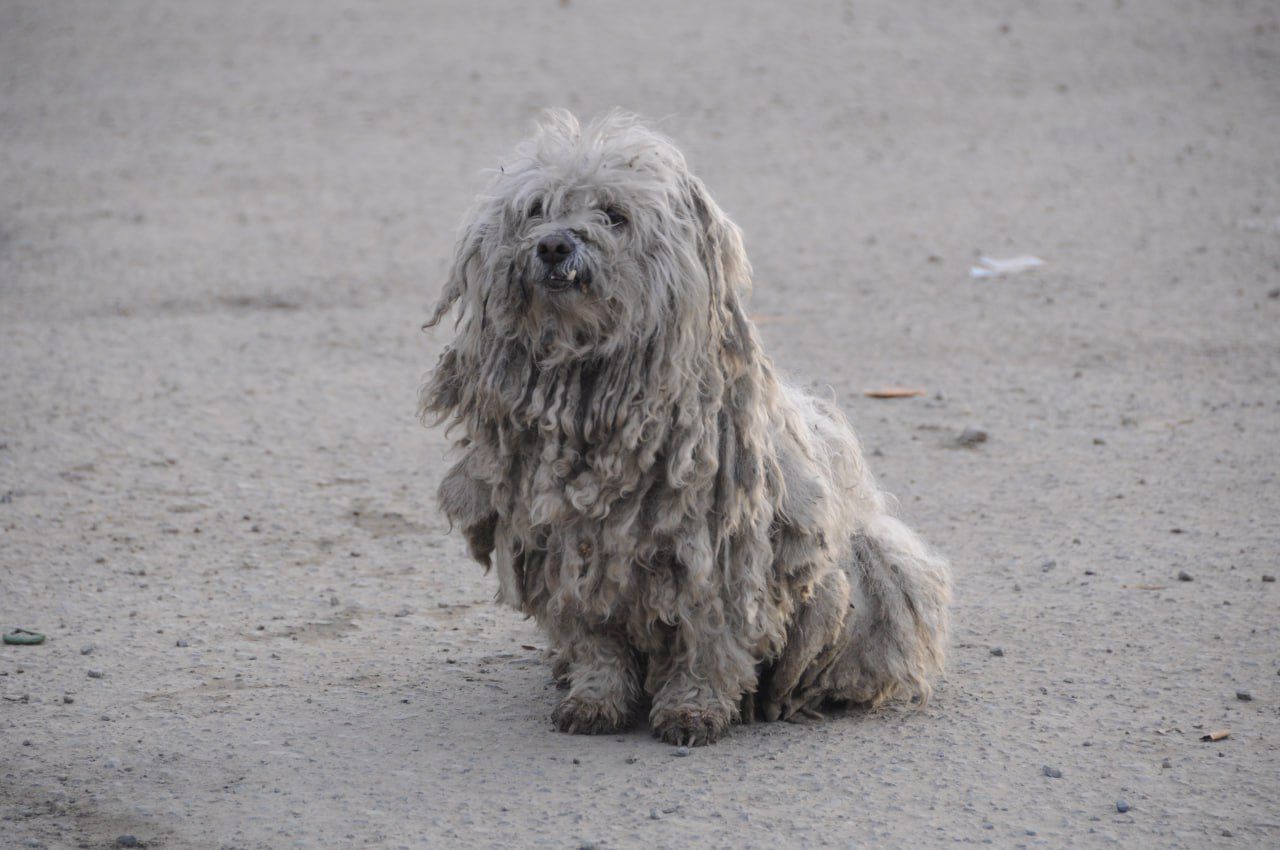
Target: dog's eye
pixel 616 218
pixel 535 209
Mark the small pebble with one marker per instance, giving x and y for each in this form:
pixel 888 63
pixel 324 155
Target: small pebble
pixel 182 644
pixel 128 841
pixel 997 651
pixel 1048 565
pixel 653 814
pixel 681 752
pixel 404 612
pixel 94 674
pixel 1268 578
pixel 87 649
pixel 333 601
pixel 971 437
pixel 577 761
pixel 1166 764
pixel 1226 833
pixel 1122 806
pixel 632 759
pixel 1051 772
pixel 1183 575
pixel 1244 696
pixel 67 699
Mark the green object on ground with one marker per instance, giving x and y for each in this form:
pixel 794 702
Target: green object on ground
pixel 22 637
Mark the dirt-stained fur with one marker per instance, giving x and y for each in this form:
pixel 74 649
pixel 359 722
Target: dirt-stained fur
pixel 690 531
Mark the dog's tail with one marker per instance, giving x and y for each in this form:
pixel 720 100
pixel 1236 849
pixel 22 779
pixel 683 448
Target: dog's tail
pixel 897 624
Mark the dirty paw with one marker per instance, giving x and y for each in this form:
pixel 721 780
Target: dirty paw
pixel 579 716
pixel 689 727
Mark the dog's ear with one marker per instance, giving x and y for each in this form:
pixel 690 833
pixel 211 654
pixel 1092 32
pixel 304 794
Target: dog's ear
pixel 465 267
pixel 441 394
pixel 719 241
pixel 725 260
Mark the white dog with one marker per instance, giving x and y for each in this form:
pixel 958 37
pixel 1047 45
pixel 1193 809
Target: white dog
pixel 690 532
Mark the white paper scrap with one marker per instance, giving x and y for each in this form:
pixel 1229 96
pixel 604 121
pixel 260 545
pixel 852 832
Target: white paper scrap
pixel 993 267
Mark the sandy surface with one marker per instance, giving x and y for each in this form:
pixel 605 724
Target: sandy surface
pixel 220 230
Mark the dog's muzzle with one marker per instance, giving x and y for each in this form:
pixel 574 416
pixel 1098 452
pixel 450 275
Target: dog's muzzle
pixel 561 260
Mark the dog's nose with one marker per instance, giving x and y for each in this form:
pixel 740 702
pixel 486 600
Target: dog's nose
pixel 554 248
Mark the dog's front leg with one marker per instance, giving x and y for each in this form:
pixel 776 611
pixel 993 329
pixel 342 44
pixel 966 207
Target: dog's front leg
pixel 468 502
pixel 603 684
pixel 698 688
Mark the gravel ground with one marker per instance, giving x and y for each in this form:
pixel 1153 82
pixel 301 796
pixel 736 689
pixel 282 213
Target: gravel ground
pixel 220 229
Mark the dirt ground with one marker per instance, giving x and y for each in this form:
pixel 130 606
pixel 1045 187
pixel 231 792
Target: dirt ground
pixel 220 229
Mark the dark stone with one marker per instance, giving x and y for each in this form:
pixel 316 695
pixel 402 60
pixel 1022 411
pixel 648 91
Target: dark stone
pixel 970 437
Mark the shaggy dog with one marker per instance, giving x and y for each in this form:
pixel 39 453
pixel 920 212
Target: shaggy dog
pixel 690 532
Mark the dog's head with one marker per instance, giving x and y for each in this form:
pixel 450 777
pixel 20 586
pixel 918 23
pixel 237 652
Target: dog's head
pixel 592 241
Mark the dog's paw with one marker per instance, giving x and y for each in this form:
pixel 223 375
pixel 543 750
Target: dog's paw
pixel 579 716
pixel 689 727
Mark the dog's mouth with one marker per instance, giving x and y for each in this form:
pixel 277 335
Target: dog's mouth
pixel 564 281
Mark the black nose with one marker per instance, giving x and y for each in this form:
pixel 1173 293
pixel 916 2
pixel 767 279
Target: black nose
pixel 554 248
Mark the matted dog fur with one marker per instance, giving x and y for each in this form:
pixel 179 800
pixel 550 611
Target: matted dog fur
pixel 691 533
